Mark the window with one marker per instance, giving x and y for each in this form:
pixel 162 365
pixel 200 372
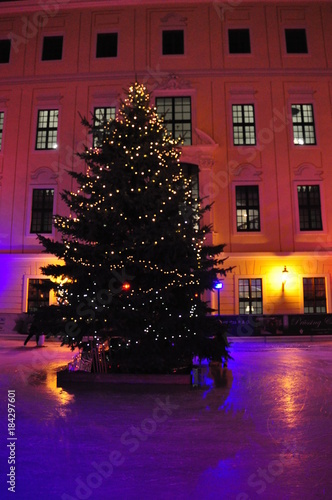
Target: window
pixel 173 42
pixel 247 208
pixel 243 124
pixel 303 124
pixel 296 41
pixel 107 45
pixel 52 48
pixel 250 296
pixel 309 208
pixel 47 129
pixel 177 115
pixel 314 295
pixel 42 211
pixel 4 51
pixel 239 41
pixel 38 294
pixel 2 114
pixel 100 115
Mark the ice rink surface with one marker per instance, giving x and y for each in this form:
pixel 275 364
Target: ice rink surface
pixel 267 435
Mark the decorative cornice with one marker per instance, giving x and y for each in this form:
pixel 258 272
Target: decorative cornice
pixel 247 171
pixel 58 79
pixel 55 98
pixel 308 171
pixel 173 82
pixel 44 171
pixel 301 91
pixel 174 19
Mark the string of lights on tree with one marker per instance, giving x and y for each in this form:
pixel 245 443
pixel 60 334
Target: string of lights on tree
pixel 134 259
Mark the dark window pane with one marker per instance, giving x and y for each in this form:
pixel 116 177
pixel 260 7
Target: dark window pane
pixel 173 42
pixel 107 45
pixel 239 41
pixel 42 211
pixel 309 208
pixel 52 48
pixel 296 41
pixel 4 51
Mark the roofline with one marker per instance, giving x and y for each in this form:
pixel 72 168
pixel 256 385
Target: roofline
pixel 52 6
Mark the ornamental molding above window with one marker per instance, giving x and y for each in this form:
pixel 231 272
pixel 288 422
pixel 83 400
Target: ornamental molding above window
pixel 247 171
pixel 174 19
pixel 49 100
pixel 44 174
pixel 201 155
pixel 173 82
pixel 106 96
pixel 308 171
pixel 301 92
pixel 243 91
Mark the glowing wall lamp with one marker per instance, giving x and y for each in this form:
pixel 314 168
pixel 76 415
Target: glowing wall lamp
pixel 218 286
pixel 284 277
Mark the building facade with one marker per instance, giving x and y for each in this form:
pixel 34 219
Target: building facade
pixel 248 85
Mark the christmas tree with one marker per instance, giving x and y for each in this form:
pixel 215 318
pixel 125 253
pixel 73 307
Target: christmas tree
pixel 133 260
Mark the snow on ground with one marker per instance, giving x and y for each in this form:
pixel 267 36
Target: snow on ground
pixel 267 435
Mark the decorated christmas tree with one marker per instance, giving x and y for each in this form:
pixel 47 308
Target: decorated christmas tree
pixel 133 260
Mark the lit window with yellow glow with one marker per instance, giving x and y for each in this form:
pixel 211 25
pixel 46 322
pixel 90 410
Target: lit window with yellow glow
pixel 250 296
pixel 314 295
pixel 38 294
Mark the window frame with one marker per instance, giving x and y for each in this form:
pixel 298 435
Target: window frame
pixel 237 289
pixel 42 303
pixel 41 188
pixel 247 208
pixel 173 29
pixel 243 124
pixel 26 278
pixel 52 35
pixel 233 28
pixel 303 123
pixel 106 32
pixel 173 96
pixel 10 49
pixel 309 207
pixel 326 289
pixel 48 129
pixel 94 135
pixel 293 28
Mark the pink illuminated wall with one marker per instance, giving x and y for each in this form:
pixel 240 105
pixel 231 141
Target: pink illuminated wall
pixel 267 77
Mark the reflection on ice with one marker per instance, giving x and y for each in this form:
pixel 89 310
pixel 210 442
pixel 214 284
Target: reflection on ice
pixel 266 434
